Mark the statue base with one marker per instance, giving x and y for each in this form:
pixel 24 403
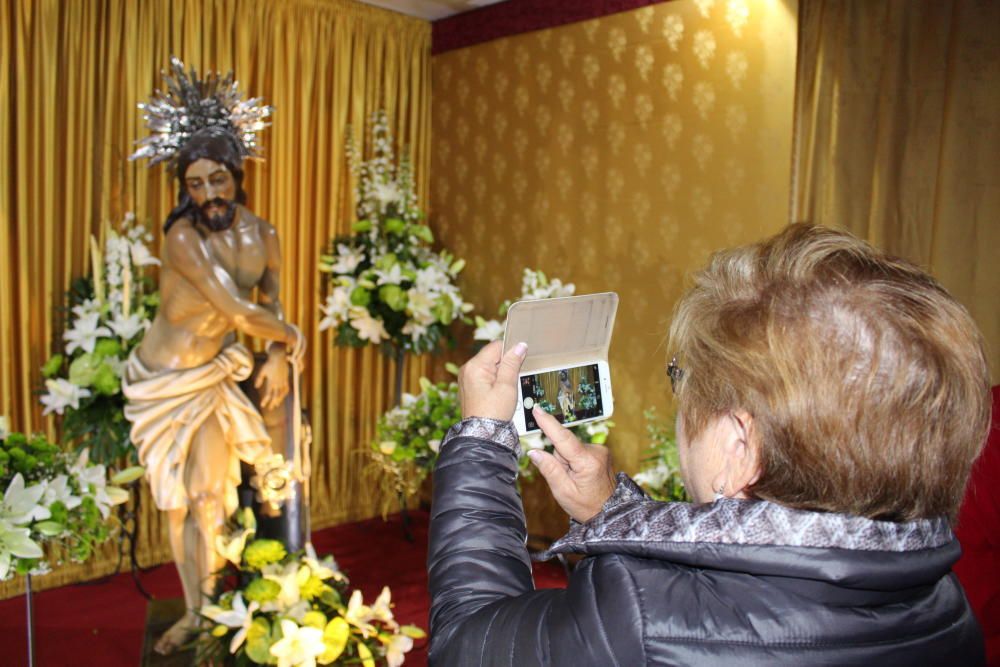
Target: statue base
pixel 160 615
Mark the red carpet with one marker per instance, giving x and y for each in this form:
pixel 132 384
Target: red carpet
pixel 103 624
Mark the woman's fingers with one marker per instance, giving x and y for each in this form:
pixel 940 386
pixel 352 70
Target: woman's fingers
pixel 562 438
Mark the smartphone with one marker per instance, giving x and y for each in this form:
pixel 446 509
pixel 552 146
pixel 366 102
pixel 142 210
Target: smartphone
pixel 573 395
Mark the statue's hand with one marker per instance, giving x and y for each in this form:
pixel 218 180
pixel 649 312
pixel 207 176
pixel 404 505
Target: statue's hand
pixel 272 380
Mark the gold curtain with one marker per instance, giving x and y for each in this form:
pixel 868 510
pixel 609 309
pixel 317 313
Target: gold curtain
pixel 616 154
pixel 897 136
pixel 71 74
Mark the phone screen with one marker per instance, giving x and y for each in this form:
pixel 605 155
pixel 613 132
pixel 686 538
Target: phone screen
pixel 569 394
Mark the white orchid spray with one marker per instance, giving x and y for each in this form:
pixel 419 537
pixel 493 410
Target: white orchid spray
pixel 50 497
pixel 661 472
pixel 388 286
pixel 108 314
pixel 296 610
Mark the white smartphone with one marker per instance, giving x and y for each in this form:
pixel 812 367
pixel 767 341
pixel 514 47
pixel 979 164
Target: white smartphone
pixel 574 395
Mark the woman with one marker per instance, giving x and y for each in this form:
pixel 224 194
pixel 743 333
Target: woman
pixel 831 401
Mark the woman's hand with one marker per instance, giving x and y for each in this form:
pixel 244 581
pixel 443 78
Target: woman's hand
pixel 579 475
pixel 487 384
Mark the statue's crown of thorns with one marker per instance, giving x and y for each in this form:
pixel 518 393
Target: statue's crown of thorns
pixel 191 104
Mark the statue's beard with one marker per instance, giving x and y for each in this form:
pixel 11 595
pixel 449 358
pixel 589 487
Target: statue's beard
pixel 217 222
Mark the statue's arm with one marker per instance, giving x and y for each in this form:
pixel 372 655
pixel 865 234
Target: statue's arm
pixel 187 255
pixel 268 290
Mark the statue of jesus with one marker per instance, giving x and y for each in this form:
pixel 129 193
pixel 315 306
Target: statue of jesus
pixel 191 423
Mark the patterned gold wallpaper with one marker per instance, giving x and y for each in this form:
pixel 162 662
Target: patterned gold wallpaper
pixel 616 153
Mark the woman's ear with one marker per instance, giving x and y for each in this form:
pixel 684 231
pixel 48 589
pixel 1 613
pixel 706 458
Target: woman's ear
pixel 741 456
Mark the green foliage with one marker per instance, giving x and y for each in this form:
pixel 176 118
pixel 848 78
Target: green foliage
pixel 661 474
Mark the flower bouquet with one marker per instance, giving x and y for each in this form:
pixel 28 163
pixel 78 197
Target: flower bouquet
pixel 536 285
pixel 661 477
pixel 389 287
pixel 52 499
pixel 293 609
pixel 108 314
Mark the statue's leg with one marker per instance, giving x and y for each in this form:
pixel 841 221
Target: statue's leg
pixel 193 530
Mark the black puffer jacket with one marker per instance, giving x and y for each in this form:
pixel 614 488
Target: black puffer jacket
pixel 728 583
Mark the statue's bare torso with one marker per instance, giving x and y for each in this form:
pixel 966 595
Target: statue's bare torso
pixel 196 319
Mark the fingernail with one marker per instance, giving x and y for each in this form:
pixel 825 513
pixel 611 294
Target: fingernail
pixel 520 349
pixel 534 456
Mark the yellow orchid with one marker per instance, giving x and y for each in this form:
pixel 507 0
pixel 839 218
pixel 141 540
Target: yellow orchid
pixel 365 653
pixel 335 637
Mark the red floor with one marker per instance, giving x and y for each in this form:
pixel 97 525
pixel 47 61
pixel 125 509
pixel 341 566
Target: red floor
pixel 103 624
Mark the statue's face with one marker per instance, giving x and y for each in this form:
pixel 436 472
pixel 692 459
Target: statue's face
pixel 213 189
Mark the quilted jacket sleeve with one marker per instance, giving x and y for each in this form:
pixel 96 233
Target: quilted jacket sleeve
pixel 484 609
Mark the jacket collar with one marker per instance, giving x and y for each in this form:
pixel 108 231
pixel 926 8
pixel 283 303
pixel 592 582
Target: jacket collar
pixel 765 538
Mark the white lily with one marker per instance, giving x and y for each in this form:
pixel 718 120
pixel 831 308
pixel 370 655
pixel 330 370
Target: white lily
pixel 141 255
pixel 419 305
pixel 386 193
pixel 84 334
pixel 298 646
pixel 359 615
pixel 347 259
pixel 15 542
pixel 532 441
pixel 62 394
pixel 336 308
pixel 321 569
pixel 490 330
pixel 431 279
pixel 231 547
pixel 21 503
pixel 58 490
pixel 126 328
pixel 289 578
pixel 414 330
pixel 396 648
pixel 369 328
pixel 394 276
pixel 382 609
pixel 87 307
pixel 240 616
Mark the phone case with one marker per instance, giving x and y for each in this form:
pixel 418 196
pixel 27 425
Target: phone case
pixel 562 332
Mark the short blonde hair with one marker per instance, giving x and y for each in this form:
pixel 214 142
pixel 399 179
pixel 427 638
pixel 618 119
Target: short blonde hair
pixel 867 382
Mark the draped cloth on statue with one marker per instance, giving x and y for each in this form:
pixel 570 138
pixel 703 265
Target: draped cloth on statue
pixel 168 407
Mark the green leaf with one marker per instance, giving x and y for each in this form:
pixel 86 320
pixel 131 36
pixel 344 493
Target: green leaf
pixel 127 475
pixel 423 232
pixel 457 267
pixel 107 347
pixel 361 297
pixel 52 366
pixel 260 638
pixel 106 382
pixel 393 296
pixel 83 370
pixel 451 368
pixel 362 226
pixel 394 226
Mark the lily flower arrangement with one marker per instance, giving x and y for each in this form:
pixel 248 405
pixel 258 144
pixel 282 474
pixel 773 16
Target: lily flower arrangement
pixel 52 500
pixel 294 610
pixel 388 286
pixel 661 474
pixel 108 314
